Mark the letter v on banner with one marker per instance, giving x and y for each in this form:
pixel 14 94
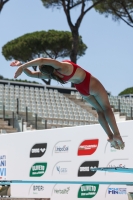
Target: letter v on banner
pixel 88 147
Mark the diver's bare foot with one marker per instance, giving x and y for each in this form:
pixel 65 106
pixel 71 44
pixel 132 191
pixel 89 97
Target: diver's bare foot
pixel 119 141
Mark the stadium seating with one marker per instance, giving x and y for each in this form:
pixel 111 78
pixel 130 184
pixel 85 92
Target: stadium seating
pixel 124 104
pixel 58 109
pixel 118 103
pixel 49 104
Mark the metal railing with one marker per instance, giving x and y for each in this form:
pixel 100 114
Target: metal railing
pixel 24 117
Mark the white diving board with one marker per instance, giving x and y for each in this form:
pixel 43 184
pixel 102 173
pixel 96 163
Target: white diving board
pixel 114 169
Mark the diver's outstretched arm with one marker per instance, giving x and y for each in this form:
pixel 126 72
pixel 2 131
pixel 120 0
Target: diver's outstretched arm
pixel 29 73
pixel 43 61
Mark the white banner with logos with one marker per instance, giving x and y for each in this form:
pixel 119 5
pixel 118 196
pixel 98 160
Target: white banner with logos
pixel 66 154
pixel 70 191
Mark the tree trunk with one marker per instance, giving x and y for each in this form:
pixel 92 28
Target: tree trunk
pixel 2 2
pixel 75 43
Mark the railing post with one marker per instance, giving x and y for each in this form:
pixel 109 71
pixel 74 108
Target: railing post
pixel 4 111
pixel 119 105
pixel 131 113
pixel 36 121
pixel 22 124
pixel 17 106
pixel 45 123
pixel 13 119
pixel 26 114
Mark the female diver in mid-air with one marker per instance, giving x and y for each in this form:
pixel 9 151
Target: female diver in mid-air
pixel 87 85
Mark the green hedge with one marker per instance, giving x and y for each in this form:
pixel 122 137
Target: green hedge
pixel 127 91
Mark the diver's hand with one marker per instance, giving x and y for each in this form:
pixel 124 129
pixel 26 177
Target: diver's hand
pixel 118 139
pixel 117 142
pixel 18 72
pixel 15 63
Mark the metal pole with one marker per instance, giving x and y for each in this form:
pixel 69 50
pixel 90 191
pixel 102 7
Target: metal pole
pixel 26 114
pixel 4 111
pixel 45 123
pixel 119 106
pixel 36 121
pixel 131 113
pixel 13 119
pixel 17 106
pixel 22 124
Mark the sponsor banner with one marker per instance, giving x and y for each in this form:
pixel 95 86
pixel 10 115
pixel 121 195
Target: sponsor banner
pixel 118 191
pixel 85 168
pixel 21 167
pixel 121 163
pixel 62 147
pixel 61 169
pixel 3 166
pixel 88 191
pixel 61 192
pixel 88 147
pixel 38 150
pixel 38 169
pixel 31 190
pixel 37 189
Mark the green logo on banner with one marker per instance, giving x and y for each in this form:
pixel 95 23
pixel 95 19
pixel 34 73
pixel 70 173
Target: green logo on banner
pixel 88 191
pixel 38 169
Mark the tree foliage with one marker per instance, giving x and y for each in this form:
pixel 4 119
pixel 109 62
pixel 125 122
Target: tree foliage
pixel 2 3
pixel 1 77
pixel 68 5
pixel 127 91
pixel 119 9
pixel 53 44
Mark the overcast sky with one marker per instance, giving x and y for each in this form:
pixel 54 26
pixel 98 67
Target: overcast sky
pixel 110 44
